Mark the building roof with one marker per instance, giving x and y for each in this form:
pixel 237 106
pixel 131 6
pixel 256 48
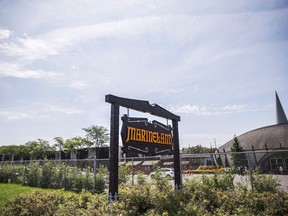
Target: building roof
pixel 149 163
pixel 135 163
pixel 270 137
pixel 168 163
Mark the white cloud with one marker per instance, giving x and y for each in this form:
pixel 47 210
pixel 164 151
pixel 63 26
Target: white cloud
pixel 79 84
pixel 15 70
pixel 40 111
pixel 189 109
pixel 29 48
pixel 60 109
pixel 204 110
pixel 14 115
pixel 4 33
pixel 234 107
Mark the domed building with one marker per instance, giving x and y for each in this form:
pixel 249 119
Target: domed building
pixel 267 146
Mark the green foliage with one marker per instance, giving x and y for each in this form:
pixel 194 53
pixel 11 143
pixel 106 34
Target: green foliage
pixel 101 179
pixel 123 174
pixel 206 195
pixel 96 135
pixel 138 199
pixel 141 178
pixel 56 203
pixel 239 158
pixel 198 197
pixel 264 182
pixel 159 181
pixel 8 152
pixel 39 149
pixel 48 174
pixel 74 144
pixel 195 149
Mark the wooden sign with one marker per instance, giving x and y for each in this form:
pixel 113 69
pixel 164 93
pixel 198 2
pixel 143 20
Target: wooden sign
pixel 144 137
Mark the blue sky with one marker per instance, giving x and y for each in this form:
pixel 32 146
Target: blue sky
pixel 216 64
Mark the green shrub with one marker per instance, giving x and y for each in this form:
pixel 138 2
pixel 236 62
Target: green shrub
pixel 196 198
pixel 56 203
pixel 206 195
pixel 101 182
pixel 161 183
pixel 137 200
pixel 265 183
pixel 141 178
pixel 123 174
pixel 10 173
pixel 32 174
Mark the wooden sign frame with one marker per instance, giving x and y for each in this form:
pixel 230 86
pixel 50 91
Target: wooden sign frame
pixel 142 106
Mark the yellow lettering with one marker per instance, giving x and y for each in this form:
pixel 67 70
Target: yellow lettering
pixel 155 137
pixel 138 136
pixel 162 138
pixel 141 135
pixel 147 136
pixel 150 136
pixel 131 132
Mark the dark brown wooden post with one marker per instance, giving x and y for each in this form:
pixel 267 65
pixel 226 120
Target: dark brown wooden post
pixel 114 152
pixel 177 168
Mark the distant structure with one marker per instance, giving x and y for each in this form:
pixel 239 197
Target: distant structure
pixel 265 138
pixel 281 117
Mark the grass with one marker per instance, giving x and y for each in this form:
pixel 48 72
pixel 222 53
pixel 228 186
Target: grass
pixel 9 191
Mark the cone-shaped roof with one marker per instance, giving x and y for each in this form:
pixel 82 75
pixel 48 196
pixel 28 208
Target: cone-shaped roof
pixel 281 117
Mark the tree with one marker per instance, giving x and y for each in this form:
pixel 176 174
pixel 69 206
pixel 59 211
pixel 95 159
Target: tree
pixel 23 152
pixel 97 135
pixel 239 159
pixel 74 144
pixel 59 144
pixel 195 149
pixel 4 151
pixel 39 149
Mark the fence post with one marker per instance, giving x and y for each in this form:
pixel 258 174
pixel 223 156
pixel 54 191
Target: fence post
pixel 250 173
pixel 94 174
pixel 24 176
pixel 65 177
pixel 132 171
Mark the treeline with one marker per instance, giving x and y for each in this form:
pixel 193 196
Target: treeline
pixel 196 149
pixel 96 136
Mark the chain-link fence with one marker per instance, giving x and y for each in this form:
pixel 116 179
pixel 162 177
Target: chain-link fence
pixel 93 174
pixel 247 167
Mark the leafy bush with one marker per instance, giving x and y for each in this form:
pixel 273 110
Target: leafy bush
pixel 141 178
pixel 196 198
pixel 47 174
pixel 101 182
pixel 162 184
pixel 56 203
pixel 206 195
pixel 264 183
pixel 123 174
pixel 10 173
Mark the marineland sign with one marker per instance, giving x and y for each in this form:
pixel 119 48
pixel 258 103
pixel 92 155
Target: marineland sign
pixel 148 138
pixel 139 135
